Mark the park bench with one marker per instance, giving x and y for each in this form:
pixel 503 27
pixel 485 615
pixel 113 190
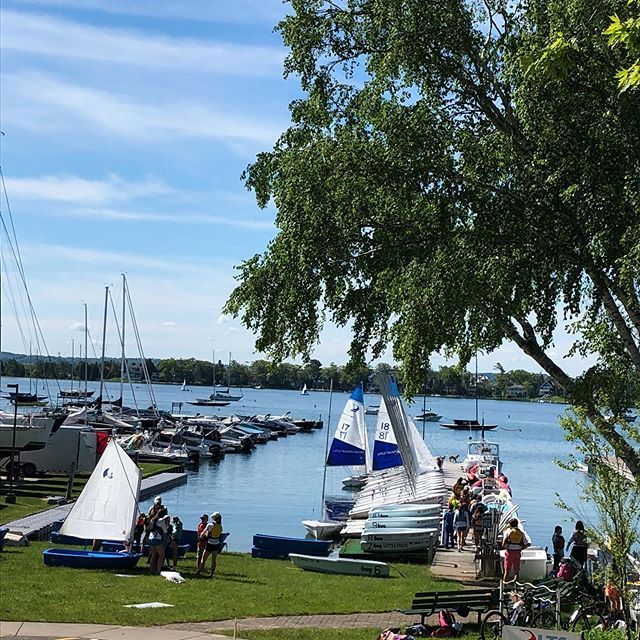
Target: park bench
pixel 427 603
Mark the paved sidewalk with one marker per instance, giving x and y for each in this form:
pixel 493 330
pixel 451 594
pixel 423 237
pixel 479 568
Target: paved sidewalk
pixel 342 621
pixel 200 630
pixel 64 631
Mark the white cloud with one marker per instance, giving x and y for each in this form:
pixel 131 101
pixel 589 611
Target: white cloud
pixel 237 11
pixel 54 37
pixel 44 103
pixel 169 323
pixel 222 319
pixel 73 189
pixel 77 326
pixel 181 218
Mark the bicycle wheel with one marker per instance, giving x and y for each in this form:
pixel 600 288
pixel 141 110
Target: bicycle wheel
pixel 585 620
pixel 491 627
pixel 544 620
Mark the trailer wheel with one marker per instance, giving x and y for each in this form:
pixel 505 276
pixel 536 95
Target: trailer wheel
pixel 29 469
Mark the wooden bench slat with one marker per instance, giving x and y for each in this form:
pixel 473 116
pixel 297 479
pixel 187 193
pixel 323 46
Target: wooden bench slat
pixel 426 603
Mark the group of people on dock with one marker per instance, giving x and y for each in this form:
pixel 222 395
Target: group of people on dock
pixel 466 513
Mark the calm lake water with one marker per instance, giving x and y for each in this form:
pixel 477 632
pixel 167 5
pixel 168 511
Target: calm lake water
pixel 279 484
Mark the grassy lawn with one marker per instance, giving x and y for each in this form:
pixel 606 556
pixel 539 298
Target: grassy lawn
pixel 24 506
pixel 331 634
pixel 243 587
pixel 154 468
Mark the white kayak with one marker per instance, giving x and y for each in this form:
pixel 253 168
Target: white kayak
pixel 341 565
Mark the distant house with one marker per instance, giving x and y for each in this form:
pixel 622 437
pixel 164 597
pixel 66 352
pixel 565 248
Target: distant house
pixel 516 391
pixel 547 389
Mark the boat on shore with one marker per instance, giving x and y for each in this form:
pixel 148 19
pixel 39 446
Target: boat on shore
pixel 279 547
pixel 107 509
pixel 343 566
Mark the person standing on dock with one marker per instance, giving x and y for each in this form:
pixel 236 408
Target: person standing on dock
pixel 461 523
pixel 580 543
pixel 514 541
pixel 448 528
pixel 557 540
pixel 477 511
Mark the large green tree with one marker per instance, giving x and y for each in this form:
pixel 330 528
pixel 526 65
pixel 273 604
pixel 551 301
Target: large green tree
pixel 458 173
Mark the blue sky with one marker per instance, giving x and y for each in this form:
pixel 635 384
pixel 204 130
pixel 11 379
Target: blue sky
pixel 127 125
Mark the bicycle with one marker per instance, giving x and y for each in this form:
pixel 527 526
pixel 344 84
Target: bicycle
pixel 521 612
pixel 585 617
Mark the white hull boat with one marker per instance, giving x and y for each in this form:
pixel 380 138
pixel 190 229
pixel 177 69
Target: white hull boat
pixel 398 546
pixel 398 534
pixel 323 530
pixel 405 511
pixel 32 432
pixel 341 565
pixel 395 540
pixel 427 522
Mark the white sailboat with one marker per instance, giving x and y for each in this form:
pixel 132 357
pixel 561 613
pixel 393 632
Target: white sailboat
pixel 106 509
pixel 304 391
pixel 348 448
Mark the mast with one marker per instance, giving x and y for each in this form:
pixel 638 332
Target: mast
pixel 476 385
pixel 367 452
pixel 86 364
pixel 424 403
pixel 104 340
pixel 213 361
pixel 73 357
pixel 122 358
pixel 326 450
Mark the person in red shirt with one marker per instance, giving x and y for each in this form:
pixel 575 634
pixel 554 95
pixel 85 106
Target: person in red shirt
pixel 202 542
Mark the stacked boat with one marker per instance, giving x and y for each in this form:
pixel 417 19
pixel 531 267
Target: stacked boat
pixel 399 507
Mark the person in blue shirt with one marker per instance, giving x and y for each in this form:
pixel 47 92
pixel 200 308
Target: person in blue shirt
pixel 448 528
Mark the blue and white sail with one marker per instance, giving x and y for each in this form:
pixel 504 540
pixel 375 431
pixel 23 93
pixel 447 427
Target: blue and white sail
pixel 385 447
pixel 349 441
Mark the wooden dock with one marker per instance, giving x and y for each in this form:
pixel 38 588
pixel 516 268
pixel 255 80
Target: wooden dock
pixel 450 563
pixel 39 525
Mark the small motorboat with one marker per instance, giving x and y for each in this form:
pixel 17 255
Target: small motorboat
pixel 428 416
pixel 341 565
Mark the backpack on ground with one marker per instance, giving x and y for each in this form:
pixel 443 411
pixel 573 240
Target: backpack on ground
pixel 446 625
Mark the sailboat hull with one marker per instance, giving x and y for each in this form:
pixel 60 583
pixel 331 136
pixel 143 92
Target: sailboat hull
pixel 79 559
pixel 343 566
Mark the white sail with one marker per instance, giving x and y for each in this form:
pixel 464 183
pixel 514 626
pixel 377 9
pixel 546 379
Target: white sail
pixel 425 460
pixel 108 505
